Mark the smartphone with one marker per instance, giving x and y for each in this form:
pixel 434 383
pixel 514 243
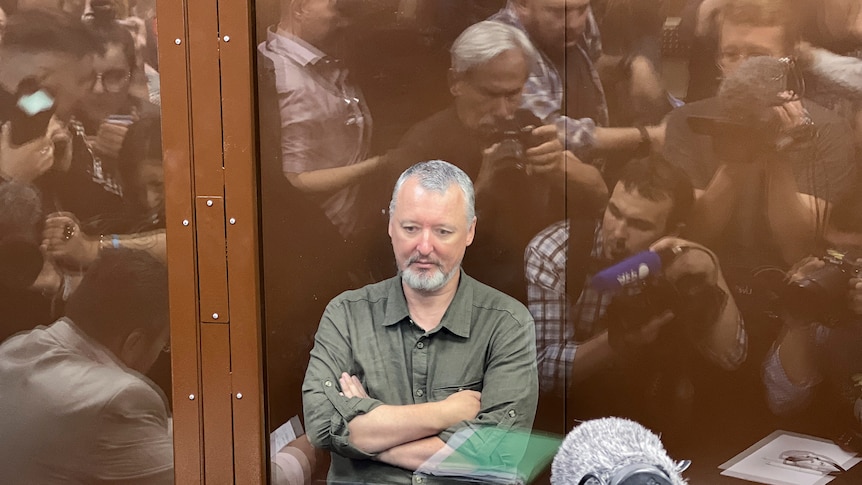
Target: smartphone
pixel 31 115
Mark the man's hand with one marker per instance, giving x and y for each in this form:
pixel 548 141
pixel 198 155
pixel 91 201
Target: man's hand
pixel 27 162
pixel 631 341
pixel 109 138
pixel 697 260
pixel 49 280
pixel 547 155
pixel 61 140
pixel 791 114
pixel 350 386
pixel 65 242
pixel 462 406
pixel 795 121
pixel 803 268
pixel 656 136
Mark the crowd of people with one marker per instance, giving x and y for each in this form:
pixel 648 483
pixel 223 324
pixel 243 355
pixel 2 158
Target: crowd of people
pixel 745 188
pixel 571 240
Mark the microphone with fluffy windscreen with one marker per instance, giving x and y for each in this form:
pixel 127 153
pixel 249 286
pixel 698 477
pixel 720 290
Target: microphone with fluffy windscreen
pixel 614 451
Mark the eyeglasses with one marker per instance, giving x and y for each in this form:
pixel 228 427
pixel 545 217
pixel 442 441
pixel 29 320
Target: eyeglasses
pixel 811 461
pixel 113 80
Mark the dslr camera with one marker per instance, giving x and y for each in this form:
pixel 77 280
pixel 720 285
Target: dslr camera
pixel 513 136
pixel 822 295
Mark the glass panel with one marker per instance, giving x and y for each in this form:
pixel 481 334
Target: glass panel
pixel 582 157
pixel 84 363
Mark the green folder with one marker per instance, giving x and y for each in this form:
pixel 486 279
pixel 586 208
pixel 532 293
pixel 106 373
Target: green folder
pixel 493 455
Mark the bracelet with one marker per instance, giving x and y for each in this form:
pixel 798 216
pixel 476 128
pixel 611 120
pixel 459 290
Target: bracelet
pixel 115 241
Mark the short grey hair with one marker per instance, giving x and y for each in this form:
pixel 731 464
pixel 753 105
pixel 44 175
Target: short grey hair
pixel 486 40
pixel 438 176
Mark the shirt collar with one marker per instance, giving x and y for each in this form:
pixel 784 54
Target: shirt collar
pixel 66 331
pixel 597 251
pixel 508 15
pixel 458 316
pixel 293 47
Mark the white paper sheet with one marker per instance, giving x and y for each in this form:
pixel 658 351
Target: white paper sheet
pixel 762 461
pixel 285 433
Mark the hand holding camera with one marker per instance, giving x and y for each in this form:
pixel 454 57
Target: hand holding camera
pixel 824 290
pixel 683 287
pixel 547 156
pixel 519 141
pixel 699 263
pixel 24 163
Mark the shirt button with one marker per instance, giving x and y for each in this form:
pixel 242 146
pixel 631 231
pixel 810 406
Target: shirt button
pixel 419 480
pixel 420 345
pixel 328 383
pixel 420 392
pixel 511 413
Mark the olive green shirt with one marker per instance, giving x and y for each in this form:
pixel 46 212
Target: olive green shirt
pixel 485 342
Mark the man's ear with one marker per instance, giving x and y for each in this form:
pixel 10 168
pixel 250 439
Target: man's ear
pixel 471 231
pixel 131 346
pixel 454 79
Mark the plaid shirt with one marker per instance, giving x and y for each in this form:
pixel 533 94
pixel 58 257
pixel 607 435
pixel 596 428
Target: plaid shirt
pixel 543 92
pixel 557 341
pixel 561 326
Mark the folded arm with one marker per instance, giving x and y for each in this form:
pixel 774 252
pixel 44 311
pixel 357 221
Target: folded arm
pixel 388 426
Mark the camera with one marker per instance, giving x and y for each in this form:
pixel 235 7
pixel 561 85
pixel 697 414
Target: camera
pixel 744 123
pixel 822 295
pixel 513 136
pixel 694 302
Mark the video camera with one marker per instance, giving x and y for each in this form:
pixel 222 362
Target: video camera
pixel 644 293
pixel 745 124
pixel 822 295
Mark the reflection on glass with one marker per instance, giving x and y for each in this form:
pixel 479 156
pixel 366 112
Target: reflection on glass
pixel 582 160
pixel 83 291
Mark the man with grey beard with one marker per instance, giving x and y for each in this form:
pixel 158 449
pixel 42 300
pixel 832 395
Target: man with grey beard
pixel 399 366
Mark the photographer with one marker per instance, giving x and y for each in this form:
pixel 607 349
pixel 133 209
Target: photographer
pixel 564 86
pixel 589 347
pixel 48 58
pixel 518 164
pixel 765 164
pixel 821 340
